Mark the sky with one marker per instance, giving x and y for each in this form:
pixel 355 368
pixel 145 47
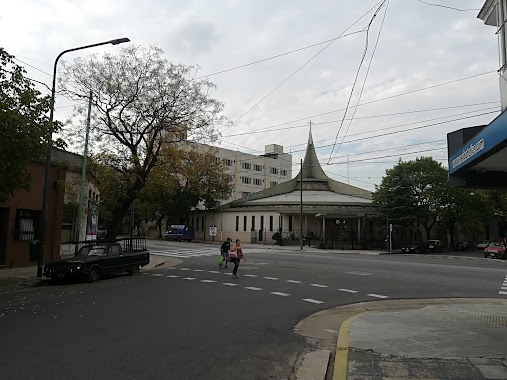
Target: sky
pixel 419 46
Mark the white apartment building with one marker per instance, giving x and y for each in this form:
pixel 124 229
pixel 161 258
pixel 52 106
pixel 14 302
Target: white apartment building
pixel 251 173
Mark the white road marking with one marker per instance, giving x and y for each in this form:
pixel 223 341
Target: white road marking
pixel 294 281
pixel 249 268
pixel 504 288
pixel 250 275
pixel 252 288
pixel 172 276
pixel 197 270
pixel 213 271
pixel 377 295
pixel 348 290
pixel 229 284
pixel 280 294
pixel 318 285
pixel 208 281
pixel 312 301
pixel 360 273
pixel 502 292
pixel 184 268
pixel 271 278
pixel 331 331
pixel 157 274
pixel 189 278
pixel 228 274
pixel 260 263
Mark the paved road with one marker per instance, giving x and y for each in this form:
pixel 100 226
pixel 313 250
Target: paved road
pixel 195 322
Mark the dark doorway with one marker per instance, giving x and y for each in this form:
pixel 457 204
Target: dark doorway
pixel 4 221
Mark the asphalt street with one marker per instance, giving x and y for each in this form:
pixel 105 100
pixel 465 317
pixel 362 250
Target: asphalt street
pixel 194 321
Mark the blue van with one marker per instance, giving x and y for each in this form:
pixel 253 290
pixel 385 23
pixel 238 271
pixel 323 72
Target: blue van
pixel 180 232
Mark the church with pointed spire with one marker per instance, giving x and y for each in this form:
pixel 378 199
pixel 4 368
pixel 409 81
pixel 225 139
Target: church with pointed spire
pixel 311 203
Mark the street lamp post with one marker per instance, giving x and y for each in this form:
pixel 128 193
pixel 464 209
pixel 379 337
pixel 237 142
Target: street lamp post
pixel 44 211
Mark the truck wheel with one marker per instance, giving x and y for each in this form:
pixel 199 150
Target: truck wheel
pixel 134 271
pixel 94 274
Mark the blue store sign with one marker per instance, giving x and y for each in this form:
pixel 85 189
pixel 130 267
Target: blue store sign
pixel 486 140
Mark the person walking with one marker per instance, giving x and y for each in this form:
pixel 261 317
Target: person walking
pixel 235 256
pixel 224 250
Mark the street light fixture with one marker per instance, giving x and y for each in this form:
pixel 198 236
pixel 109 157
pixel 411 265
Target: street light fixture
pixel 44 211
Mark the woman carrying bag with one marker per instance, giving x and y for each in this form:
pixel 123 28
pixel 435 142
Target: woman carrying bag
pixel 235 256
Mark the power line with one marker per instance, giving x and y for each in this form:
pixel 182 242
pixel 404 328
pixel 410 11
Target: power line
pixel 274 56
pixel 379 100
pixel 33 67
pixel 299 69
pixel 365 77
pixel 264 130
pixel 384 134
pixel 448 7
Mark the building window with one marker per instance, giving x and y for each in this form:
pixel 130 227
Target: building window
pixel 227 161
pixel 257 182
pixel 244 223
pixel 246 180
pixel 246 165
pixel 274 171
pixel 262 223
pixel 258 168
pixel 216 160
pixel 231 177
pixel 26 224
pixel 290 223
pixel 245 194
pixel 253 222
pixel 271 223
pixel 284 173
pixel 273 183
pixel 237 223
pixel 197 224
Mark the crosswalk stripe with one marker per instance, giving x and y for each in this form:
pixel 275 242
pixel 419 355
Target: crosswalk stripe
pixel 311 300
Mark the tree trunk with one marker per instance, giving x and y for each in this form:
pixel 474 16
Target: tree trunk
pixel 450 228
pixel 159 224
pixel 428 227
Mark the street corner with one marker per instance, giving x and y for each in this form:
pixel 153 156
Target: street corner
pixel 13 284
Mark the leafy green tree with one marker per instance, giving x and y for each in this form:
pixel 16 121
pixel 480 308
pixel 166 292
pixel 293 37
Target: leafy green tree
pixel 25 126
pixel 411 192
pixel 141 102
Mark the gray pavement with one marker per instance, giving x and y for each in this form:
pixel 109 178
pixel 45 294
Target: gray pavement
pixel 453 341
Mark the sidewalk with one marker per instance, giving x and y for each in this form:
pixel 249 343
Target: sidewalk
pixel 451 339
pixel 19 278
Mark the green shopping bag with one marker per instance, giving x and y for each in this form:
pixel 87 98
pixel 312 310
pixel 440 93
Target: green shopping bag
pixel 221 260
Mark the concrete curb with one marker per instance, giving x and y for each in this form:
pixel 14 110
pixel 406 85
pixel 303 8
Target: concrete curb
pixel 314 365
pixel 342 349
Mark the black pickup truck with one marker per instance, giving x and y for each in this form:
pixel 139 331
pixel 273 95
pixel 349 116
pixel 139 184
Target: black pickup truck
pixel 97 259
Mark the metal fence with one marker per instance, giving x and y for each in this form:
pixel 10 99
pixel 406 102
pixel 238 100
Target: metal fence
pixel 69 249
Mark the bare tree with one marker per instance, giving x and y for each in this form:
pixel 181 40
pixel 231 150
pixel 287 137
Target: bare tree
pixel 141 101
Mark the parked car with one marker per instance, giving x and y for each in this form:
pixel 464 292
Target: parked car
pixel 465 245
pixel 436 246
pixel 180 232
pixel 483 244
pixel 99 259
pixel 415 247
pixel 495 250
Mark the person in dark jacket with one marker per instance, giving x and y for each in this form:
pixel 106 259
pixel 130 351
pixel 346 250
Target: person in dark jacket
pixel 224 250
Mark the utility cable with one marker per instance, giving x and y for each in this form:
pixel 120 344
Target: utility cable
pixel 299 69
pixel 448 7
pixel 273 57
pixel 364 82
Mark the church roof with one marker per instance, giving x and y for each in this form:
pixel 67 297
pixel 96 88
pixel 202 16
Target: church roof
pixel 317 187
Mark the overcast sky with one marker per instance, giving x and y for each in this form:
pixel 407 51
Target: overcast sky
pixel 419 46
